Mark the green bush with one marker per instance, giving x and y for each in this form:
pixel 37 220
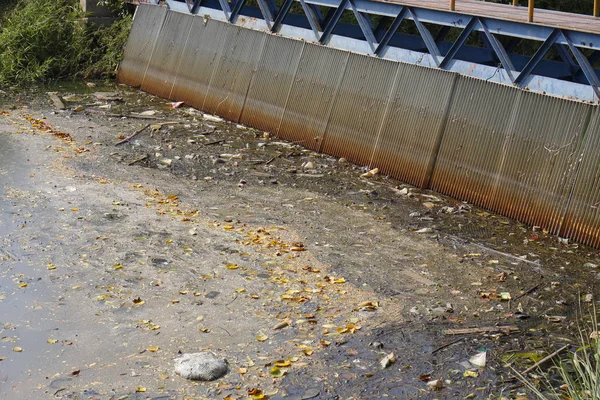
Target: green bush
pixel 43 40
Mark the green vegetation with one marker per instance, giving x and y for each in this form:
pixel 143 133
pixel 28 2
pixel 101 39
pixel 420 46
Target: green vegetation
pixel 44 40
pixel 575 376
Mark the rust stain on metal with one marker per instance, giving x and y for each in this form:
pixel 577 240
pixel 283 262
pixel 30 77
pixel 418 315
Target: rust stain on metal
pixel 228 88
pixel 144 32
pixel 358 108
pixel 582 219
pixel 271 83
pixel 169 48
pixel 413 124
pixel 310 100
pixel 473 143
pixel 198 62
pixel 539 160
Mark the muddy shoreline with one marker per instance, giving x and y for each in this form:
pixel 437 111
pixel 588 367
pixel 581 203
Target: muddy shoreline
pixel 125 248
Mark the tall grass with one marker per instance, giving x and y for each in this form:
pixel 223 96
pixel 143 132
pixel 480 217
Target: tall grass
pixel 578 372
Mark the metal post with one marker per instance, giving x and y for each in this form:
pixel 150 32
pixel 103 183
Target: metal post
pixel 530 11
pixel 452 5
pixel 596 8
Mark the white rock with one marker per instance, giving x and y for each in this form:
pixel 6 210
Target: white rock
pixel 202 366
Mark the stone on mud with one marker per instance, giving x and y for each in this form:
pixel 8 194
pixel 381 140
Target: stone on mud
pixel 201 366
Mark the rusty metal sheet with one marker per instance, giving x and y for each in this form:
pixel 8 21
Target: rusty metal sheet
pixel 413 123
pixel 582 219
pixel 359 108
pixel 271 83
pixel 197 66
pixel 474 140
pixel 167 54
pixel 539 159
pixel 144 32
pixel 230 81
pixel 312 94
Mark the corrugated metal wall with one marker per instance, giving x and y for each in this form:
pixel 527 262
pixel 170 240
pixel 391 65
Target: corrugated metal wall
pixel 271 83
pixel 358 108
pixel 144 32
pixel 170 45
pixel 413 125
pixel 582 220
pixel 524 155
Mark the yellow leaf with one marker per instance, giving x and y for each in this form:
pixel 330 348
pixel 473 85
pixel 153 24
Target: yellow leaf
pixel 163 376
pixel 102 181
pixel 52 341
pixel 102 296
pixel 228 227
pixel 261 337
pixel 153 349
pixel 117 266
pixel 183 292
pixel 140 389
pixel 276 372
pixel 22 285
pixel 50 266
pixel 17 349
pixel 204 330
pixel 240 290
pixel 242 371
pixel 231 266
pixel 282 363
pixel 175 301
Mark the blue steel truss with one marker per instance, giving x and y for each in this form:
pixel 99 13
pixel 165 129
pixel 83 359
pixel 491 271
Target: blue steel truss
pixel 573 76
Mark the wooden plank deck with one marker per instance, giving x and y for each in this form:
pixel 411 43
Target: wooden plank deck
pixel 555 19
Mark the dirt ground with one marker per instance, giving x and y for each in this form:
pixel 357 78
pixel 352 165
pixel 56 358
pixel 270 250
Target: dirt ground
pixel 200 234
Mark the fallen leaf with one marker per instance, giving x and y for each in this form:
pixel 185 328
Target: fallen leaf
pixel 22 285
pixel 204 330
pixel 470 374
pixel 242 371
pixel 140 389
pixel 52 341
pixel 50 266
pixel 240 290
pixel 276 372
pixel 17 349
pixel 231 266
pixel 282 363
pixel 261 337
pixel 153 349
pixel 117 266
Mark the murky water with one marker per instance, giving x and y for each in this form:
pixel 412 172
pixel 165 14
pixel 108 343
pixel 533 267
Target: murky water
pixel 25 322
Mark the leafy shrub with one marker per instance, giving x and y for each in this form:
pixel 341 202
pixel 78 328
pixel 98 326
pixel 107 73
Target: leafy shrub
pixel 43 40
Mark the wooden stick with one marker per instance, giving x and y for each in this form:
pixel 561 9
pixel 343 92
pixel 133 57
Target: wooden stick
pixel 215 142
pixel 128 138
pixel 543 360
pixel 487 329
pixel 133 116
pixel 447 345
pixel 533 289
